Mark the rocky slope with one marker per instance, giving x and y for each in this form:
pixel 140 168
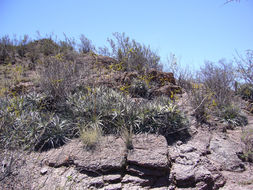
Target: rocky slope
pixel 209 160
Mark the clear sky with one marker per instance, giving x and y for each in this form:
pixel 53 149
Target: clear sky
pixel 194 30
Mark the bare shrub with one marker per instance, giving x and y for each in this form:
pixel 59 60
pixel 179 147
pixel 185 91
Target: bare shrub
pixel 219 80
pixel 67 45
pixel 199 101
pixel 212 94
pixel 22 47
pixel 132 55
pixel 104 51
pixel 57 77
pixel 183 75
pixel 86 45
pixel 127 136
pixel 244 67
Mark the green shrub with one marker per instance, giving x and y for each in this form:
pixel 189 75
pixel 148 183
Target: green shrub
pixel 114 112
pixel 54 133
pixel 138 88
pixel 233 116
pixel 6 46
pixel 246 92
pixel 24 124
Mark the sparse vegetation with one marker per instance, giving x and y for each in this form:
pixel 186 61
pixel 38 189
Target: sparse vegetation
pixel 90 137
pixel 246 91
pixel 58 76
pixel 218 80
pixel 212 95
pixel 233 116
pixel 131 55
pixel 86 45
pixel 139 88
pixel 71 101
pixel 244 67
pixel 247 139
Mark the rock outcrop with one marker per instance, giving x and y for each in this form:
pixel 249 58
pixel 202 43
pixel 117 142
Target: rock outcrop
pixel 149 164
pixel 190 166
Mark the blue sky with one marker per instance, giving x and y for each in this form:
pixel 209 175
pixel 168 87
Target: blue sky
pixel 194 30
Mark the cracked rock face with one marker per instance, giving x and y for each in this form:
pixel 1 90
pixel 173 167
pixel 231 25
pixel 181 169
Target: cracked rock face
pixel 224 154
pixel 108 156
pixel 150 164
pixel 190 166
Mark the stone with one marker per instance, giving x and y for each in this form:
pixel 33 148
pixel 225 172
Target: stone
pixel 43 171
pixel 116 186
pixel 187 148
pixel 113 178
pixel 136 180
pixel 203 175
pixel 187 176
pixel 191 158
pixel 190 166
pixel 183 175
pixel 152 145
pixel 97 182
pixel 109 156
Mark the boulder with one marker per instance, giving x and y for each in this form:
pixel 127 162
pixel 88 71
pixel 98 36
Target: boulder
pixel 108 157
pixel 152 145
pixel 154 167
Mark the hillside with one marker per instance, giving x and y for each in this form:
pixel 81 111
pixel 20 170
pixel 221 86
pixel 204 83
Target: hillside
pixel 82 120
